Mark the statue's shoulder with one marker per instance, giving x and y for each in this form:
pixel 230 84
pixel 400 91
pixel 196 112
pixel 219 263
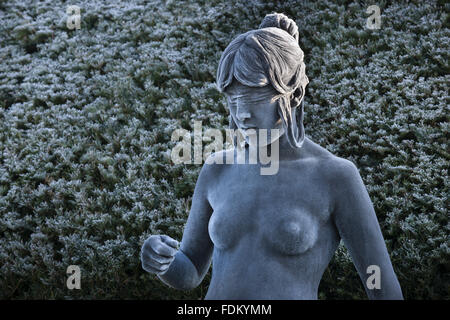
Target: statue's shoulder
pixel 332 166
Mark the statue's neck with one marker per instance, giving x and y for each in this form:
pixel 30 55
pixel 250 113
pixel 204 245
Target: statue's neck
pixel 285 151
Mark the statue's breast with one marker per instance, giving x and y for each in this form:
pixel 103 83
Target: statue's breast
pixel 234 214
pixel 226 228
pixel 291 233
pixel 288 232
pixel 267 212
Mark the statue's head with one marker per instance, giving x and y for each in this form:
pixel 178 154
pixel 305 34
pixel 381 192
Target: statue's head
pixel 268 61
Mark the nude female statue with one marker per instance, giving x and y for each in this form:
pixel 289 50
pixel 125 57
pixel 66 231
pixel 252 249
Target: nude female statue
pixel 272 236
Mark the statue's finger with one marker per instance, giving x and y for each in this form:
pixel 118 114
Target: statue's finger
pixel 171 242
pixel 164 250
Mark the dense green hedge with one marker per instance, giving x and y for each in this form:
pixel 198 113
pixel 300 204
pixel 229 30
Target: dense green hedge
pixel 86 118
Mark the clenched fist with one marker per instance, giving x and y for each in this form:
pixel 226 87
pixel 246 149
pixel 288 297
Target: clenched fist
pixel 157 252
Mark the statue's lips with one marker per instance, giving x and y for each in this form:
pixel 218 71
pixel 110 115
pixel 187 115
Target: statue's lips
pixel 248 131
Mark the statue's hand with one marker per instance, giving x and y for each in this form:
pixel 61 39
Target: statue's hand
pixel 157 252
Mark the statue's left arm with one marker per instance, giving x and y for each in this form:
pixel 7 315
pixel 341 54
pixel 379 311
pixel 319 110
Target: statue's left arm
pixel 357 224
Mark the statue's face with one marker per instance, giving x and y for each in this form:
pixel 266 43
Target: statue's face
pixel 253 107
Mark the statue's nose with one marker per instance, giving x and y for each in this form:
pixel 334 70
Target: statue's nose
pixel 242 114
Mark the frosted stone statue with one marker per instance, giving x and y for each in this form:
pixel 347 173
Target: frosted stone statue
pixel 272 236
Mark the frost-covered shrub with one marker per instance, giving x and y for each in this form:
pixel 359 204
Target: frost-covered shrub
pixel 86 118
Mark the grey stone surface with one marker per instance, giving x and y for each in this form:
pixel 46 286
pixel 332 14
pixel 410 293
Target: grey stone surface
pixel 272 236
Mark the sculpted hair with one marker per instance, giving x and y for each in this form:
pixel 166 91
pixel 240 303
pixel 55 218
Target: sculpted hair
pixel 270 55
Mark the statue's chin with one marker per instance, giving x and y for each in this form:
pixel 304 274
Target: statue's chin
pixel 251 137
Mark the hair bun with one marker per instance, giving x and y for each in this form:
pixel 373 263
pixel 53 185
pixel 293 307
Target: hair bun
pixel 279 20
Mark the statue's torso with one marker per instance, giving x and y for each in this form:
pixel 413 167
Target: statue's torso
pixel 273 235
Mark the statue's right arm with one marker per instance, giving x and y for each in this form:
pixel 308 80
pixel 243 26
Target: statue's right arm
pixel 193 259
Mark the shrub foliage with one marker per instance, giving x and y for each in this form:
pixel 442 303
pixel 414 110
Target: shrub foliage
pixel 86 118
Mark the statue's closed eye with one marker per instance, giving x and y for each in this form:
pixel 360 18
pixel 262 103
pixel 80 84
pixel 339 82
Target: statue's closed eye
pixel 260 99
